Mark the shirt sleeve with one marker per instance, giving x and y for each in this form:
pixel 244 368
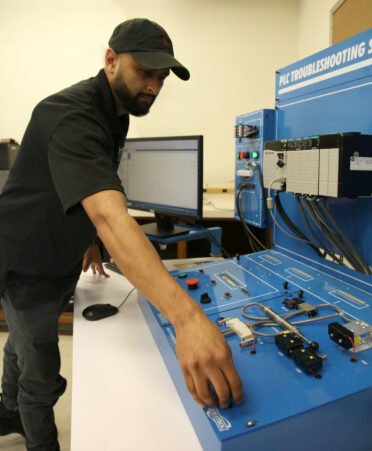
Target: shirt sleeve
pixel 80 156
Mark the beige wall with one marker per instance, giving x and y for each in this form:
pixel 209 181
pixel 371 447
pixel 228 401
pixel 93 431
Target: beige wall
pixel 314 26
pixel 232 48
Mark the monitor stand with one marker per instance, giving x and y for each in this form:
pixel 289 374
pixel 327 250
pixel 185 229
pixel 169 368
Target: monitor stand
pixel 163 227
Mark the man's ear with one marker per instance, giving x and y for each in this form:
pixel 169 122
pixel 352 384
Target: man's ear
pixel 111 61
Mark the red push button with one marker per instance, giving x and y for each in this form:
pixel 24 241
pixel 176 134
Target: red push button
pixel 227 294
pixel 192 283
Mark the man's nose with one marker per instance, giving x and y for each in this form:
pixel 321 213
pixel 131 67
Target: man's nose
pixel 153 86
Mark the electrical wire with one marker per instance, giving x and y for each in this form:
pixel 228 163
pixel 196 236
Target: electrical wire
pixel 289 223
pixel 356 253
pixel 260 177
pixel 210 237
pixel 246 228
pixel 127 296
pixel 352 342
pixel 322 229
pixel 336 239
pixel 284 231
pixel 270 208
pixel 268 322
pixel 310 229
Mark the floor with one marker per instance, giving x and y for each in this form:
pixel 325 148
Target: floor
pixel 62 410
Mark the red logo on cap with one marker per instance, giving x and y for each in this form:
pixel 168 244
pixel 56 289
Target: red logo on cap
pixel 165 42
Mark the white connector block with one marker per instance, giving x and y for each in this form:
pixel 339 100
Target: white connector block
pixel 243 331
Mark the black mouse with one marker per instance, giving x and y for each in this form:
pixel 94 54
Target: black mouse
pixel 99 311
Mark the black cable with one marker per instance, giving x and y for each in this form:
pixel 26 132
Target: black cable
pixel 336 239
pixel 310 229
pixel 354 250
pixel 127 296
pixel 285 218
pixel 209 235
pixel 245 226
pixel 258 169
pixel 322 229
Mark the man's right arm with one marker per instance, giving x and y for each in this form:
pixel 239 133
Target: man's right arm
pixel 202 351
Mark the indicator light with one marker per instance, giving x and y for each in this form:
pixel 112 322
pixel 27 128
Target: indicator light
pixel 255 155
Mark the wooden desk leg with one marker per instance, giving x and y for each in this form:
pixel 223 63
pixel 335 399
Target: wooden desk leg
pixel 182 245
pixel 182 249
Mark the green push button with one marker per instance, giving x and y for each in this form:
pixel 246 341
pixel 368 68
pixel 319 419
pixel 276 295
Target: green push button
pixel 182 275
pixel 255 155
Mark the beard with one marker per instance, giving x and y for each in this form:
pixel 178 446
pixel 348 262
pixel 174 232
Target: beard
pixel 137 105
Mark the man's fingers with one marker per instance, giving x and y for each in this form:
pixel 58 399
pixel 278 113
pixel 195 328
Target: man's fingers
pixel 85 265
pixel 221 388
pixel 191 388
pixel 203 389
pixel 233 380
pixel 101 271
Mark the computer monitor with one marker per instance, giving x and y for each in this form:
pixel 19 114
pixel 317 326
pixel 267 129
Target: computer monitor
pixel 164 176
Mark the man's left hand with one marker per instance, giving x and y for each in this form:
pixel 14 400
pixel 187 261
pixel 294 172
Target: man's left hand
pixel 92 258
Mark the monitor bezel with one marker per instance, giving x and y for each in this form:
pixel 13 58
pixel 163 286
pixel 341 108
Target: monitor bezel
pixel 198 215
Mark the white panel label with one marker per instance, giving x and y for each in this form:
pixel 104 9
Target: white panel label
pixel 360 163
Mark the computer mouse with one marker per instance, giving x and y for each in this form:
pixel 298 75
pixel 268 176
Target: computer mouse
pixel 99 311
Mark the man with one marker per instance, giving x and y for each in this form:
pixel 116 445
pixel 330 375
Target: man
pixel 62 192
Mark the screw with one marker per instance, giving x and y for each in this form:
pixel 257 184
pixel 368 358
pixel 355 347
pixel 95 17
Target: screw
pixel 251 424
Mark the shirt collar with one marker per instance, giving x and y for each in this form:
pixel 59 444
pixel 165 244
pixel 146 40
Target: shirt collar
pixel 108 104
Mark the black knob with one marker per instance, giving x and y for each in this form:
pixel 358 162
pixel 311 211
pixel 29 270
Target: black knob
pixel 300 293
pixel 204 298
pixel 285 284
pixel 314 345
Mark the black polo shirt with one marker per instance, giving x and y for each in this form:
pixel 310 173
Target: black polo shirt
pixel 69 151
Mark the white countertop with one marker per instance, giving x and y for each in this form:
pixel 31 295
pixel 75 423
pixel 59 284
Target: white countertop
pixel 122 395
pixel 215 205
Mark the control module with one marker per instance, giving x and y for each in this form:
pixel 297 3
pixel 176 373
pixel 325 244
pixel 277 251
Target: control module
pixel 301 340
pixel 336 165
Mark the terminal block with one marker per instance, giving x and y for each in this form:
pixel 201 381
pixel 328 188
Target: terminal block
pixel 242 330
pixel 245 131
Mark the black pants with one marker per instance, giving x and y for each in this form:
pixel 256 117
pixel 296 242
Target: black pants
pixel 31 381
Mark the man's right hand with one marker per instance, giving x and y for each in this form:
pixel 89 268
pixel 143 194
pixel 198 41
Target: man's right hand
pixel 205 357
pixel 203 353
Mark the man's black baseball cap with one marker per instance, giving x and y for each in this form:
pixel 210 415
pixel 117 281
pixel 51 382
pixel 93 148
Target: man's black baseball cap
pixel 149 44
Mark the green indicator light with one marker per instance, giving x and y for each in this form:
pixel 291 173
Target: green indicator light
pixel 182 275
pixel 238 156
pixel 255 155
pixel 314 137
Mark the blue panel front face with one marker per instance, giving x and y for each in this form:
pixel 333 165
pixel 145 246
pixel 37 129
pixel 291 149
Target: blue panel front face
pixel 329 92
pixel 339 65
pixel 276 390
pixel 250 150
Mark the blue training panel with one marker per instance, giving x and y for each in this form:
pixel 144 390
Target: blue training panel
pixel 285 407
pixel 290 409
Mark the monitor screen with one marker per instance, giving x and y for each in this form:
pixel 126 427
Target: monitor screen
pixel 164 175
